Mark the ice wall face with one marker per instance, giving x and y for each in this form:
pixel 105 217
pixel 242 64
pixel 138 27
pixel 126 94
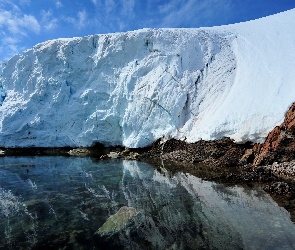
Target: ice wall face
pixel 133 88
pixel 129 88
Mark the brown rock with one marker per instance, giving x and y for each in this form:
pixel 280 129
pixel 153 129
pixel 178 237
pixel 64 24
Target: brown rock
pixel 290 119
pixel 279 145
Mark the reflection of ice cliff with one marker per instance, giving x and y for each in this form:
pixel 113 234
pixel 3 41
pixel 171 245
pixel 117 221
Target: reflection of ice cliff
pixel 186 211
pixel 251 212
pixel 170 216
pixel 131 204
pixel 10 206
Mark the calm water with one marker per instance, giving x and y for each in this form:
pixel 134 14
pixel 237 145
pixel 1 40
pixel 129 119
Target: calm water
pixel 77 203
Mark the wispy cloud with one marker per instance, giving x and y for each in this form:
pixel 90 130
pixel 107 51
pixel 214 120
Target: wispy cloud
pixel 82 16
pixel 25 2
pixel 94 2
pixel 48 21
pixel 81 20
pixel 178 13
pixel 10 40
pixel 118 14
pixel 128 8
pixel 109 6
pixel 58 4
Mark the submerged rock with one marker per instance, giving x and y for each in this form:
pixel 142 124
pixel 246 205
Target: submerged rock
pixel 116 222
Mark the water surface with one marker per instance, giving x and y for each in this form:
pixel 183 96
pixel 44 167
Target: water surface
pixel 79 203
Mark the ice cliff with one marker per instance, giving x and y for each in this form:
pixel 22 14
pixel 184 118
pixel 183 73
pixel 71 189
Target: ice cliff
pixel 135 87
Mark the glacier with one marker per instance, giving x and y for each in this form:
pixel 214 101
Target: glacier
pixel 135 87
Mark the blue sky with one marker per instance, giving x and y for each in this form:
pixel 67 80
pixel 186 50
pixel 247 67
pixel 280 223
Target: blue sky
pixel 24 23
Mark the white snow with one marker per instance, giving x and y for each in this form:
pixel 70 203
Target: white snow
pixel 135 87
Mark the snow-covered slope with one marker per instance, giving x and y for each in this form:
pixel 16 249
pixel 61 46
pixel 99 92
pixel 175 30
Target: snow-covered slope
pixel 132 88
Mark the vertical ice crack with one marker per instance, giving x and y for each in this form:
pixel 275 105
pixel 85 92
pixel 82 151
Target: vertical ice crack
pixel 159 105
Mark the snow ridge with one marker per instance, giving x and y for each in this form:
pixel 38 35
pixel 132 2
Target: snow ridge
pixel 135 87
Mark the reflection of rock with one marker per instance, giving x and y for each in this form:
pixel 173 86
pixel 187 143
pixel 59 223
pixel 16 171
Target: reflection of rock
pixel 170 216
pixel 129 154
pixel 184 212
pixel 150 209
pixel 117 221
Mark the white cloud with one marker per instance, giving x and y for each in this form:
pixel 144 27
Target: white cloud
pixel 9 46
pixel 94 2
pixel 80 21
pixel 18 23
pixel 109 5
pixel 9 40
pixel 178 12
pixel 58 4
pixel 25 2
pixel 70 20
pixel 169 7
pixel 128 8
pixel 82 16
pixel 30 23
pixel 48 21
pixel 122 26
pixel 15 27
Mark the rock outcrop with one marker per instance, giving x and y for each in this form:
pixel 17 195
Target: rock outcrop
pixel 279 145
pixel 223 152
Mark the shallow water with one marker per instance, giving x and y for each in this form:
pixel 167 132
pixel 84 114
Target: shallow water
pixel 77 203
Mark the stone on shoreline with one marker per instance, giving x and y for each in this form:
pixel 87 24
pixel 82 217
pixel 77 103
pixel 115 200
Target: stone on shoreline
pixel 281 188
pixel 80 152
